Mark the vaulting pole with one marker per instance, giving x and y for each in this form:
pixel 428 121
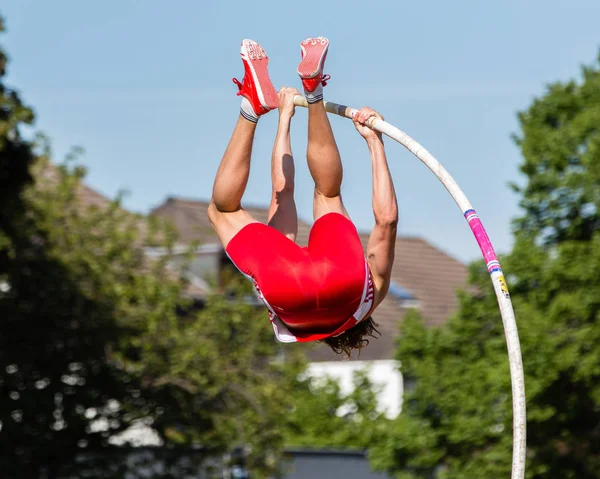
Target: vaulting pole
pixel 493 266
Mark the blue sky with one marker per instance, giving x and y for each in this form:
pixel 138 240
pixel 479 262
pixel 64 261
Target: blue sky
pixel 145 88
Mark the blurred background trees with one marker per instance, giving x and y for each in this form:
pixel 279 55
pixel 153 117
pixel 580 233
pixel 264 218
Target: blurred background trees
pixel 95 337
pixel 457 421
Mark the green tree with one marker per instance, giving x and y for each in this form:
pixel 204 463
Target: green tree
pixel 51 371
pixel 226 382
pixel 94 337
pixel 325 417
pixel 457 422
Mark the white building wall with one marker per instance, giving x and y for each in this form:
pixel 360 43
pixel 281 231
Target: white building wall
pixel 384 373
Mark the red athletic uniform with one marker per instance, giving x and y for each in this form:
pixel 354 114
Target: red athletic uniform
pixel 311 292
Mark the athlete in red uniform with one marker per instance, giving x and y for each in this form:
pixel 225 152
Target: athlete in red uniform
pixel 327 290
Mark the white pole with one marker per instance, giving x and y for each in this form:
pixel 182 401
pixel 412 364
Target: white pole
pixel 493 265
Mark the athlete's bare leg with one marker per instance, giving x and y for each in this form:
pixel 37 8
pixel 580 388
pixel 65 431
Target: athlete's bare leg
pixel 225 211
pixel 323 156
pixel 324 163
pixel 283 215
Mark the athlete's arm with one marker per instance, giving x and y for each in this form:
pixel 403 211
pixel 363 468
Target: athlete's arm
pixel 283 146
pixel 282 210
pixel 382 242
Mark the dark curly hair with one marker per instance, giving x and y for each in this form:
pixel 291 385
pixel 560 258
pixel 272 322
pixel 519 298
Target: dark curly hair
pixel 354 338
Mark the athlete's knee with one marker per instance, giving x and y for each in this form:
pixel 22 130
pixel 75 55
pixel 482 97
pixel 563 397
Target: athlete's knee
pixel 218 206
pixel 326 195
pixel 217 211
pixel 213 213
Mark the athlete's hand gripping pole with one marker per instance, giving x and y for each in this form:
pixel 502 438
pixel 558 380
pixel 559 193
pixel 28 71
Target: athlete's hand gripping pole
pixel 500 287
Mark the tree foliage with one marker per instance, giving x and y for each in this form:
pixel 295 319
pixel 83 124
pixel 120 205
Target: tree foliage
pixel 324 417
pixel 94 337
pixel 457 422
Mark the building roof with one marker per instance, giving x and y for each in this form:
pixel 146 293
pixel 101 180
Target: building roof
pixel 88 197
pixel 429 275
pixel 190 218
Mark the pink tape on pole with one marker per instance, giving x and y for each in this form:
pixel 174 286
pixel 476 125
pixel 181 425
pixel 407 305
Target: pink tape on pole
pixel 483 240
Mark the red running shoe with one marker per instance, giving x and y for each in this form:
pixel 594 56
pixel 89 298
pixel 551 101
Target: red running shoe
pixel 256 85
pixel 314 53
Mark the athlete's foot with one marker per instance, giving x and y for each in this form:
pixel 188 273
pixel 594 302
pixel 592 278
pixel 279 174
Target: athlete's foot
pixel 259 94
pixel 314 53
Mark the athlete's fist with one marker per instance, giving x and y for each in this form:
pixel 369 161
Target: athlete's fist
pixel 361 121
pixel 286 101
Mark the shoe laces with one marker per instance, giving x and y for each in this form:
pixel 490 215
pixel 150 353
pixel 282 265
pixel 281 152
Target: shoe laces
pixel 239 85
pixel 325 79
